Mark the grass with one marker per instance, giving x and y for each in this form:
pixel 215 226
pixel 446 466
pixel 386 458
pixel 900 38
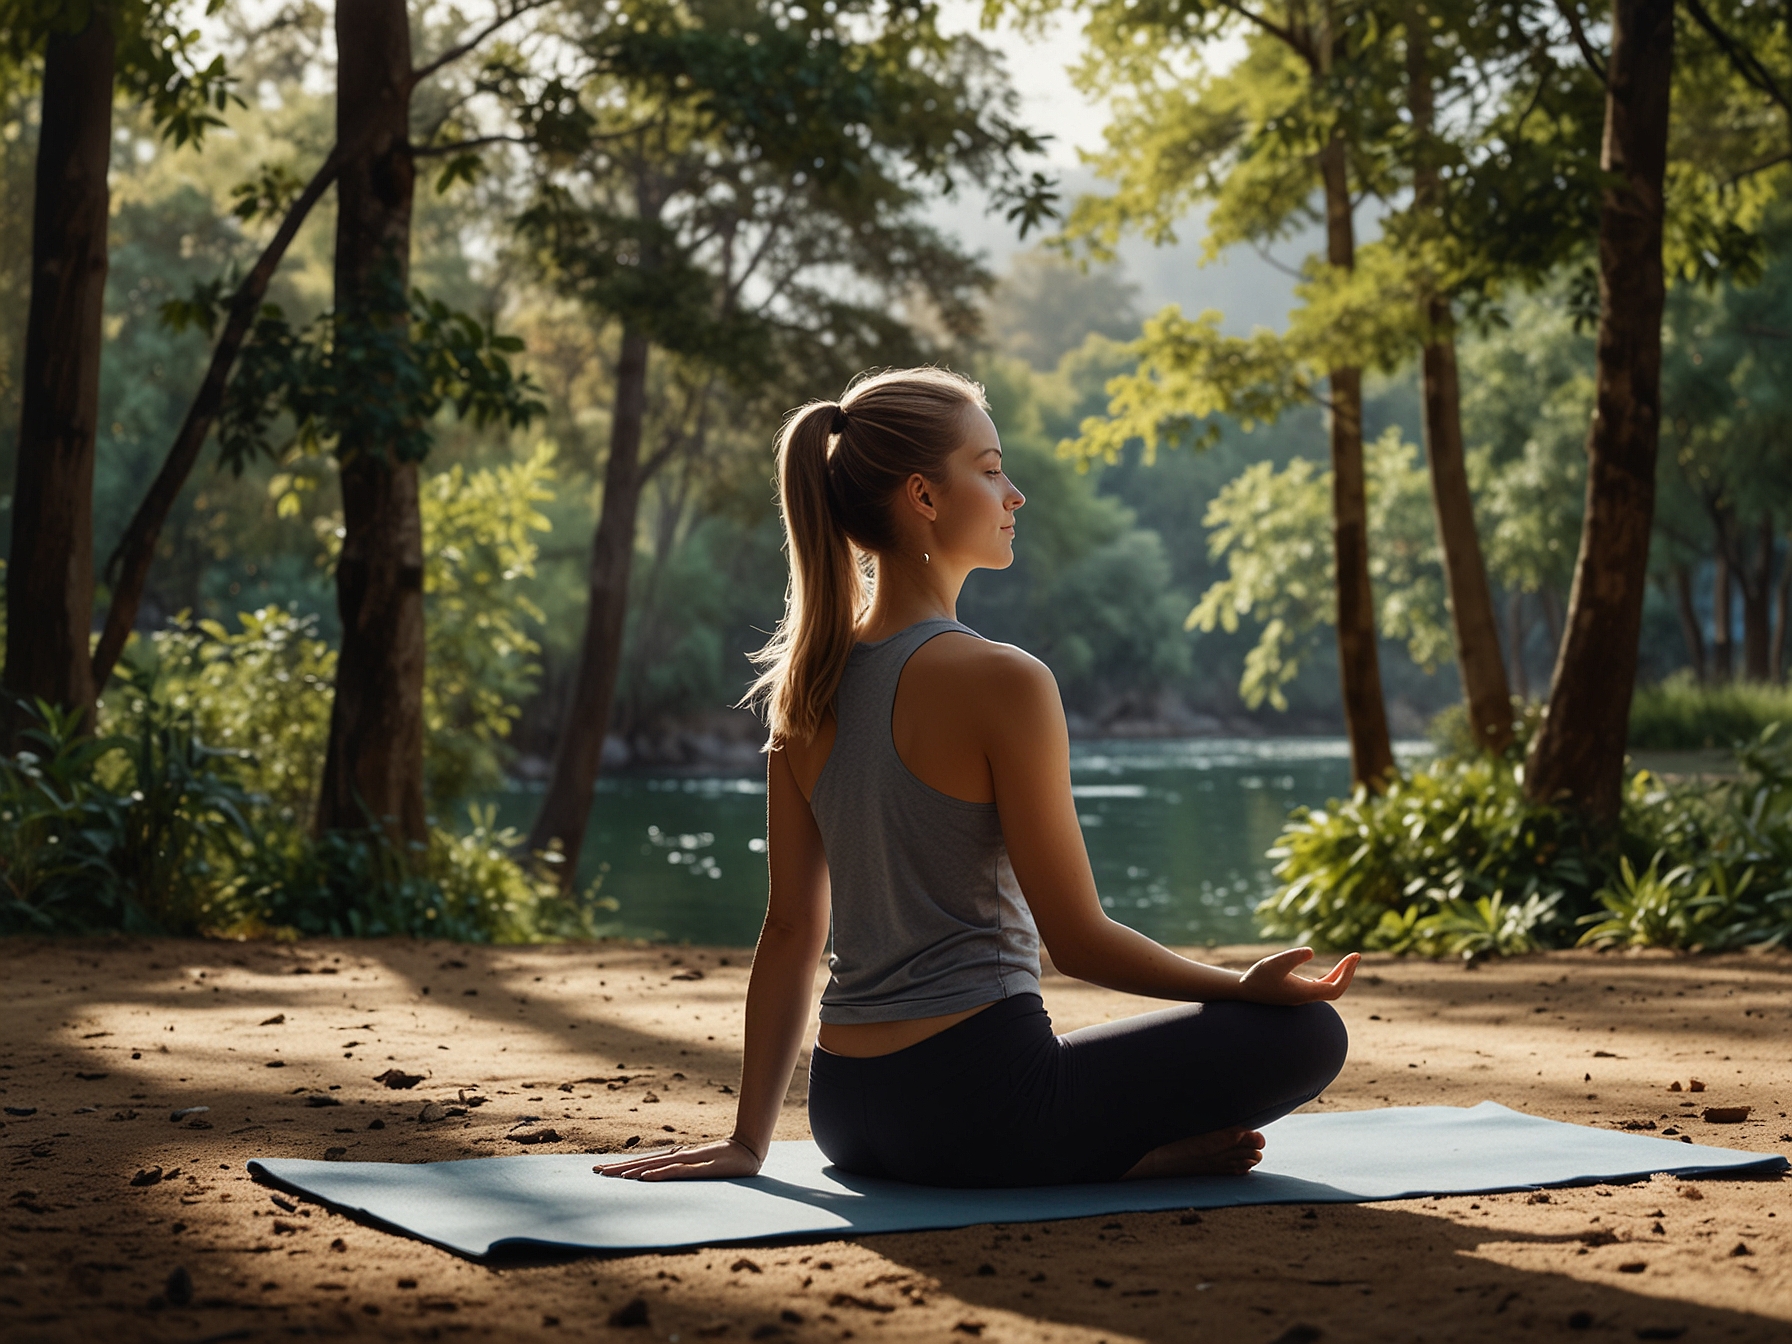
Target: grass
pixel 1681 715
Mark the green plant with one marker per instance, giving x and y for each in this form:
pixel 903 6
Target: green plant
pixel 135 830
pixel 262 690
pixel 1454 832
pixel 1679 908
pixel 1679 714
pixel 1488 926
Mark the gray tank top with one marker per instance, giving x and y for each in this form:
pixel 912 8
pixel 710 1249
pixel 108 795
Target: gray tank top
pixel 928 918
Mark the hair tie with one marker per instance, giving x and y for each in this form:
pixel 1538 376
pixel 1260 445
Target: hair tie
pixel 838 424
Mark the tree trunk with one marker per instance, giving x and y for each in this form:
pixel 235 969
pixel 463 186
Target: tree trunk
pixel 1782 605
pixel 1757 607
pixel 1518 626
pixel 373 766
pixel 1578 755
pixel 1723 616
pixel 49 576
pixel 1359 665
pixel 1476 631
pixel 1689 621
pixel 566 807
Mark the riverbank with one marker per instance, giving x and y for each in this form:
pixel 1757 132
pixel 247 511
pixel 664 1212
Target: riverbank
pixel 107 1039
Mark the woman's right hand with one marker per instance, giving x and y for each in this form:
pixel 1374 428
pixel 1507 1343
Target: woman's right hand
pixel 1272 980
pixel 715 1161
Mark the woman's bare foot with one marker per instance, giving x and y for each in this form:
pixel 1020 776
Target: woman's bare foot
pixel 1222 1152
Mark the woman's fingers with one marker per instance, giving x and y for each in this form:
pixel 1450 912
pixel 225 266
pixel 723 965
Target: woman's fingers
pixel 719 1159
pixel 643 1162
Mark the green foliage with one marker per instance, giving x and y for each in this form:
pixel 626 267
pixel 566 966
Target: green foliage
pixel 149 829
pixel 1369 870
pixel 468 887
pixel 479 548
pixel 157 56
pixel 265 688
pixel 388 378
pixel 1455 859
pixel 262 690
pixel 1679 908
pixel 1273 529
pixel 1679 714
pixel 137 830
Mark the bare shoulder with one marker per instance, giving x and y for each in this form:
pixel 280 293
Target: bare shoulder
pixel 985 677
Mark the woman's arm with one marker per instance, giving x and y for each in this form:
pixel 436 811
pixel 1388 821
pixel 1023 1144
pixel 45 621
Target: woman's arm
pixel 1027 745
pixel 780 992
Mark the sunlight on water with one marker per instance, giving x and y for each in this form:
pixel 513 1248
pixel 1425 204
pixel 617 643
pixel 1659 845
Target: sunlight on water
pixel 1176 832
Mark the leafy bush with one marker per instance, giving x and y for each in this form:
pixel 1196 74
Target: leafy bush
pixel 1679 714
pixel 467 887
pixel 1369 871
pixel 1455 859
pixel 138 830
pixel 262 690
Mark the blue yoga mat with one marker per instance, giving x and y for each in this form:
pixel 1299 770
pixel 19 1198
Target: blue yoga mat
pixel 483 1205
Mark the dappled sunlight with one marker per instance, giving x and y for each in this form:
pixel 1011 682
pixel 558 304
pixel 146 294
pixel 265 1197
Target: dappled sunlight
pixel 611 1046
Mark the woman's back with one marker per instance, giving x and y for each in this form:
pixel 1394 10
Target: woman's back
pixel 928 917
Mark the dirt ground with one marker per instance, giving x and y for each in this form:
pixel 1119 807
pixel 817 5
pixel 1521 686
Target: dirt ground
pixel 105 1040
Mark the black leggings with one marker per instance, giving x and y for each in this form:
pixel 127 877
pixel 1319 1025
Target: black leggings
pixel 998 1100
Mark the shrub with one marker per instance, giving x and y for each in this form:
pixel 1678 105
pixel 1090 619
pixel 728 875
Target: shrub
pixel 1679 714
pixel 1454 858
pixel 467 887
pixel 138 830
pixel 263 690
pixel 1372 871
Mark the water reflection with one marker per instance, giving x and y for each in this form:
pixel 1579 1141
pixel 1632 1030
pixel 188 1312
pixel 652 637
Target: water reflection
pixel 1176 832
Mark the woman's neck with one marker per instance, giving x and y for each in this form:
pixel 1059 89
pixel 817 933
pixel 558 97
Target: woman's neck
pixel 906 591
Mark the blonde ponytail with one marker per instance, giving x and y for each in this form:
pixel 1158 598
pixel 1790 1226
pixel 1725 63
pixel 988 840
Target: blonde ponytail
pixel 836 506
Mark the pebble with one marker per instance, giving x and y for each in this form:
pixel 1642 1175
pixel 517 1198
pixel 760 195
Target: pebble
pixel 398 1079
pixel 631 1313
pixel 188 1112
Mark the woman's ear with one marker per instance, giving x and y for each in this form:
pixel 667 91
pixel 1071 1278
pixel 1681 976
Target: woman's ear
pixel 918 491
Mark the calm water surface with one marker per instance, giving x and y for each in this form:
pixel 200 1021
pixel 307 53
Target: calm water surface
pixel 1176 832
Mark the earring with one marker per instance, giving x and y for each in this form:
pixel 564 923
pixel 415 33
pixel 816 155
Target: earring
pixel 925 558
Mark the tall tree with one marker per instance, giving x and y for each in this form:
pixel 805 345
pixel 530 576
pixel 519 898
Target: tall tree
pixel 1288 125
pixel 1579 751
pixel 90 54
pixel 728 161
pixel 1484 686
pixel 49 587
pixel 373 766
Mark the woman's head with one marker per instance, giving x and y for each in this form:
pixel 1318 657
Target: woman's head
pixel 905 467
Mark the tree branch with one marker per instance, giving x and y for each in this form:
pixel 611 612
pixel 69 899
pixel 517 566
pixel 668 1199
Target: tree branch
pixel 461 146
pixel 1744 61
pixel 1591 57
pixel 454 53
pixel 1760 167
pixel 1276 30
pixel 128 568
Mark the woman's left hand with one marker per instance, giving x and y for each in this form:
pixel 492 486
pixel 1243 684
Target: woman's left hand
pixel 1272 980
pixel 720 1160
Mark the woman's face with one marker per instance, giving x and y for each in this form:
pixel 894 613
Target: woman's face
pixel 973 519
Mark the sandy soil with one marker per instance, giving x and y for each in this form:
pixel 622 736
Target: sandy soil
pixel 105 1040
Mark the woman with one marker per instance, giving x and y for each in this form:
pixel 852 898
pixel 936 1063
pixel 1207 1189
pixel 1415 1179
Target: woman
pixel 919 791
